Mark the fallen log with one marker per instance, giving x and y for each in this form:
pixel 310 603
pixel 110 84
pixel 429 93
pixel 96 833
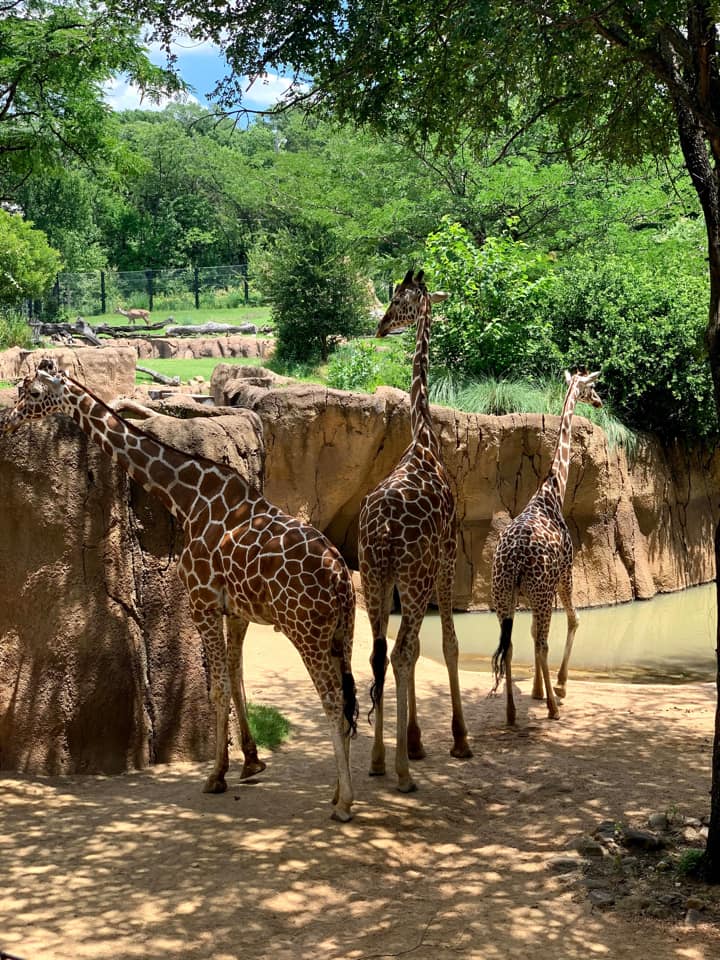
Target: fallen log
pixel 159 377
pixel 210 327
pixel 66 332
pixel 124 329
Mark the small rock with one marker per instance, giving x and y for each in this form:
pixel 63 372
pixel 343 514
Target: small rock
pixel 593 883
pixel 658 821
pixel 692 822
pixel 587 847
pixel 601 899
pixel 564 864
pixel 633 903
pixel 692 918
pixel 659 911
pixel 641 838
pixel 703 832
pixel 606 830
pixel 663 866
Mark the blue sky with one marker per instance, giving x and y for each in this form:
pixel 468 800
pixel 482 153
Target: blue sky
pixel 201 65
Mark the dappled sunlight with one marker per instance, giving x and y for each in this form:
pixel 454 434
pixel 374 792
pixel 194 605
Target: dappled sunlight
pixel 145 865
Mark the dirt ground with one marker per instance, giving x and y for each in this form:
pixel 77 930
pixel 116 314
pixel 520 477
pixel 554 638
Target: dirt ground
pixel 146 866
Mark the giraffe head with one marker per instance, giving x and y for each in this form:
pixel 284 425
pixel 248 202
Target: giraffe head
pixel 410 301
pixel 39 395
pixel 584 384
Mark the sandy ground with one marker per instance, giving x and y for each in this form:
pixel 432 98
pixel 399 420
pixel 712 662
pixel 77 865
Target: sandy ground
pixel 145 865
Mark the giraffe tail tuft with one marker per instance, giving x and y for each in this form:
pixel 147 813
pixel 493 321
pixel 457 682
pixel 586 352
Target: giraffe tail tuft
pixel 378 662
pixel 498 658
pixel 350 704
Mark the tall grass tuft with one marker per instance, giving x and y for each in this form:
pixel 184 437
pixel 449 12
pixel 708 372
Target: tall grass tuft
pixel 269 727
pixel 14 331
pixel 497 397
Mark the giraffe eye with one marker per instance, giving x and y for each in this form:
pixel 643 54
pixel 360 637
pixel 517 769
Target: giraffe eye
pixel 35 392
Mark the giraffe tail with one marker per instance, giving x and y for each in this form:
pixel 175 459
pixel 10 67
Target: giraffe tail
pixel 378 662
pixel 500 655
pixel 343 644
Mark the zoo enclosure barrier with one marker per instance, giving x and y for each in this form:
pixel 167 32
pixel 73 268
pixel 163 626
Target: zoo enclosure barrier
pixel 97 292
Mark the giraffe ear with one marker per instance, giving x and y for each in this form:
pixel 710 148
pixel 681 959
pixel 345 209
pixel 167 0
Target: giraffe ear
pixel 593 376
pixel 438 296
pixel 420 276
pixel 408 276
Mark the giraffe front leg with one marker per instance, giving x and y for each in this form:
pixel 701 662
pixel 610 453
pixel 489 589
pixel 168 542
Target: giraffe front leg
pixel 210 627
pixel 236 630
pixel 538 687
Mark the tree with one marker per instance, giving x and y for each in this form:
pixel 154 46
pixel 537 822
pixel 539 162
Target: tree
pixel 55 57
pixel 28 264
pixel 612 79
pixel 317 297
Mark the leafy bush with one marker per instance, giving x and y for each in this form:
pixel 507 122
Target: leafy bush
pixel 493 322
pixel 644 328
pixel 364 365
pixel 317 297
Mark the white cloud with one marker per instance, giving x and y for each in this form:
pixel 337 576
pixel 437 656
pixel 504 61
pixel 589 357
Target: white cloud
pixel 267 90
pixel 121 94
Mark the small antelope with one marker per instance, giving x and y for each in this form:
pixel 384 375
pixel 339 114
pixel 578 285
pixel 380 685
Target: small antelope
pixel 134 314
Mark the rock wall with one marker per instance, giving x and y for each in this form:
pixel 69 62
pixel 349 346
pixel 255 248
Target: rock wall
pixel 100 664
pixel 640 525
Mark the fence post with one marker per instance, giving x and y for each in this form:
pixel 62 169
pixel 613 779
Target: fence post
pixel 391 290
pixel 56 292
pixel 149 277
pixel 103 297
pixel 246 287
pixel 196 287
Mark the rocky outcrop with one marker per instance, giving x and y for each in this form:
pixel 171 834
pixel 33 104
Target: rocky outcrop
pixel 186 348
pixel 641 525
pixel 100 664
pixel 110 371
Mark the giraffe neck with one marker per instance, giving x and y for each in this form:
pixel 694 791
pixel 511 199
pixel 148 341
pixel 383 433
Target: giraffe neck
pixel 558 476
pixel 420 420
pixel 171 475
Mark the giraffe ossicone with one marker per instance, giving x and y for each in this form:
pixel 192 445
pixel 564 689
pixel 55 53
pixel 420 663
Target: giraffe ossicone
pixel 244 560
pixel 408 539
pixel 533 559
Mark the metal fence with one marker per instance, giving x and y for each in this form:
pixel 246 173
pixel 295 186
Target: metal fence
pixel 103 291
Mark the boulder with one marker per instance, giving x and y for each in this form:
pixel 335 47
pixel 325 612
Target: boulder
pixel 640 525
pixel 100 664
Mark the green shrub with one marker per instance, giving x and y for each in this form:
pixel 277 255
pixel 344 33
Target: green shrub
pixel 364 365
pixel 317 297
pixel 644 329
pixel 269 727
pixel 493 324
pixel 28 264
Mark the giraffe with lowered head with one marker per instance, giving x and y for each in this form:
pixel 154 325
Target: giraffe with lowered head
pixel 534 558
pixel 243 561
pixel 407 538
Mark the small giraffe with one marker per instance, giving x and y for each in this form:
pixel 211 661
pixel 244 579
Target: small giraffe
pixel 534 558
pixel 243 560
pixel 407 538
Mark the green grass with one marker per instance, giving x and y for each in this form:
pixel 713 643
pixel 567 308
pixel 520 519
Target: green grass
pixel 498 397
pixel 269 727
pixel 186 369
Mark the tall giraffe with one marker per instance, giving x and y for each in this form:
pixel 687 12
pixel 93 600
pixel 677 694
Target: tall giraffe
pixel 407 538
pixel 534 558
pixel 243 560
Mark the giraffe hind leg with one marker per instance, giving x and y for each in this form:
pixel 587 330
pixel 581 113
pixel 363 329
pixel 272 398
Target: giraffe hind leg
pixel 565 594
pixel 236 630
pixel 446 574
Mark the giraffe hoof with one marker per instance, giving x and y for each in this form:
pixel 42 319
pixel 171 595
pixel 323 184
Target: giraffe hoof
pixel 559 691
pixel 215 784
pixel 408 786
pixel 251 768
pixel 417 753
pixel 342 816
pixel 554 715
pixel 461 751
pixel 538 694
pixel 377 771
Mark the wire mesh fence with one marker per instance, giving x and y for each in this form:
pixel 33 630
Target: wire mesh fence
pixel 99 292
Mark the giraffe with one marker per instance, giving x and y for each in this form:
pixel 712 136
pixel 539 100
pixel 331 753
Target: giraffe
pixel 243 561
pixel 407 538
pixel 534 558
